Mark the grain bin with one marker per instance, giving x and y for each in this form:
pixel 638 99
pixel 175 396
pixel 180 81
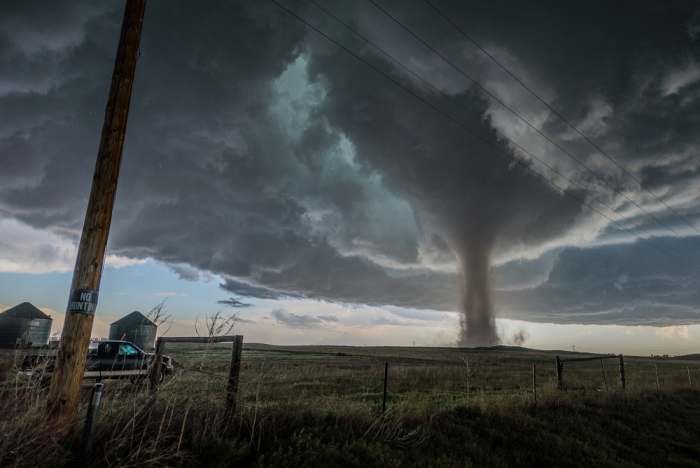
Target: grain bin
pixel 24 324
pixel 136 328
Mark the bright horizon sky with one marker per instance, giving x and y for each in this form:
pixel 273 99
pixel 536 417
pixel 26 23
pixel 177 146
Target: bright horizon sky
pixel 143 285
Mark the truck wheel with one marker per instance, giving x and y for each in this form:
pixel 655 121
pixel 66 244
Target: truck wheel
pixel 161 377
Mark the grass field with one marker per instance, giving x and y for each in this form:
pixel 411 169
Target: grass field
pixel 321 406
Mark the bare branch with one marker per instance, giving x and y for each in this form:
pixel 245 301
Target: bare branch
pixel 160 317
pixel 216 324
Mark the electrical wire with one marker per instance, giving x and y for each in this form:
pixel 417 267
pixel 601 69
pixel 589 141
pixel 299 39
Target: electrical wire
pixel 535 128
pixel 480 137
pixel 478 118
pixel 558 114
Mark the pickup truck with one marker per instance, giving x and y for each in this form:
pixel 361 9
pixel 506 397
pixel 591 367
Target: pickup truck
pixel 105 360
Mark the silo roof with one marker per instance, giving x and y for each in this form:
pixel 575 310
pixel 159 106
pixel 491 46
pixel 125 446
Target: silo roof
pixel 135 318
pixel 25 310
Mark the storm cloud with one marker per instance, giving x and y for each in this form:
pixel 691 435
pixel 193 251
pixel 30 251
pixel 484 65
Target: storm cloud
pixel 259 151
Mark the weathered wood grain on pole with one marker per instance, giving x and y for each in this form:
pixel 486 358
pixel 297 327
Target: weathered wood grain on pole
pixel 234 374
pixel 72 351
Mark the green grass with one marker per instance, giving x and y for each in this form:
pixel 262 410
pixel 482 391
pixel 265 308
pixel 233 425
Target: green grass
pixel 310 406
pixel 650 431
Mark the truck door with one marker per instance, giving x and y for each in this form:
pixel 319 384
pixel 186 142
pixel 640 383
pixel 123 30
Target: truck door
pixel 108 359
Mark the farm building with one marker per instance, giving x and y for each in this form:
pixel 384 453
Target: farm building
pixel 25 325
pixel 136 328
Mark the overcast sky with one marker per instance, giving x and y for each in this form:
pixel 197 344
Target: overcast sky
pixel 268 171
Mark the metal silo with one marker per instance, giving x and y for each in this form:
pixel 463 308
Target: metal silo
pixel 24 324
pixel 135 328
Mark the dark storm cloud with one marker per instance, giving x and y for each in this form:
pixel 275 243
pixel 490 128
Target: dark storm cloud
pixel 261 152
pixel 247 290
pixel 37 41
pixel 233 302
pixel 321 273
pixel 616 284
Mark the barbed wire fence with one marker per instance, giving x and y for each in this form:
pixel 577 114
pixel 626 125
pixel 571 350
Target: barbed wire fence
pixel 353 379
pixel 381 382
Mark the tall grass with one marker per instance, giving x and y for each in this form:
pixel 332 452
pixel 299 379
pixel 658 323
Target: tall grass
pixel 184 422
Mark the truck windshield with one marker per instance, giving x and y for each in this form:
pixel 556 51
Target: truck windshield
pixel 92 348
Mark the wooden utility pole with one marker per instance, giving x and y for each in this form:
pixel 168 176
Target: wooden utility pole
pixel 72 351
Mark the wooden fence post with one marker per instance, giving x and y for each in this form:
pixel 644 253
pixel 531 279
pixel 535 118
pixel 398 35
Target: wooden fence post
pixel 560 368
pixel 534 384
pixel 690 382
pixel 157 364
pixel 386 375
pixel 657 377
pixel 604 376
pixel 234 374
pixel 622 371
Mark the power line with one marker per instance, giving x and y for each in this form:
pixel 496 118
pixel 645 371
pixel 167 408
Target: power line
pixel 532 126
pixel 559 115
pixel 477 135
pixel 491 126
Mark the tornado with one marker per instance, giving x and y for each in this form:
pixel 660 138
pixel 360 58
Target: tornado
pixel 477 314
pixel 471 232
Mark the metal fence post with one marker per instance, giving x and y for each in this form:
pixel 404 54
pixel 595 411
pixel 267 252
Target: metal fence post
pixel 657 377
pixel 386 375
pixel 234 373
pixel 622 371
pixel 91 420
pixel 604 376
pixel 560 368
